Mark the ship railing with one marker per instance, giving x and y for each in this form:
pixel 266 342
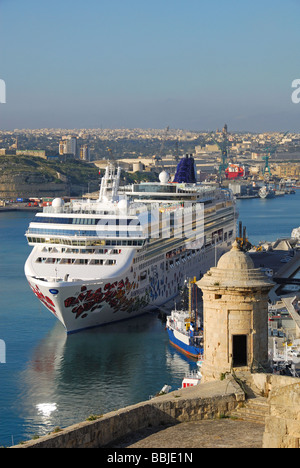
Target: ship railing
pixel 80 234
pixel 94 208
pixel 78 210
pixel 192 375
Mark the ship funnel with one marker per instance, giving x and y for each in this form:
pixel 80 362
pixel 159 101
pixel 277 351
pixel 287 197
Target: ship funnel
pixel 186 171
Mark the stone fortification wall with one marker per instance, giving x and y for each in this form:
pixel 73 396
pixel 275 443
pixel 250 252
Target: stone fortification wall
pixel 267 383
pixel 282 428
pixel 13 190
pixel 205 401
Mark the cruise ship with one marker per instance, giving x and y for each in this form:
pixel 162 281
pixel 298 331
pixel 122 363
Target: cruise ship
pixel 95 262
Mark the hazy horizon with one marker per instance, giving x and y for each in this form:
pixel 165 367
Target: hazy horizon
pixel 162 129
pixel 191 65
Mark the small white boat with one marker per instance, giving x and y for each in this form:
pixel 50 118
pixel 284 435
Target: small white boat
pixel 193 378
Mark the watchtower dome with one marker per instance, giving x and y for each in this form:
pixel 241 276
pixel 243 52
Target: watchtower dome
pixel 235 297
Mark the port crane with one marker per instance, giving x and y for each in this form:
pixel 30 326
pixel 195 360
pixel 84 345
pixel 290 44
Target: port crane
pixel 158 157
pixel 269 152
pixel 177 158
pixel 224 148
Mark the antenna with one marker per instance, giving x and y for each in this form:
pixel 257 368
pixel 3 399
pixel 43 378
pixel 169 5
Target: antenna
pixel 158 158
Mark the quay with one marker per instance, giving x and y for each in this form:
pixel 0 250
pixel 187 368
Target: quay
pixel 19 207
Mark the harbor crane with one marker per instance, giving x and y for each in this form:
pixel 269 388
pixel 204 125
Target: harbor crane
pixel 269 152
pixel 158 157
pixel 177 157
pixel 224 148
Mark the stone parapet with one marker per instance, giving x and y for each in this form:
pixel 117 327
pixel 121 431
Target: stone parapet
pixel 282 428
pixel 205 401
pixel 265 384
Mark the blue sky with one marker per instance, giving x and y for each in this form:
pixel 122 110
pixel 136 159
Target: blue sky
pixel 190 64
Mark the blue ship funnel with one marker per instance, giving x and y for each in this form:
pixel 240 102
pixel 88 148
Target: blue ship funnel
pixel 186 171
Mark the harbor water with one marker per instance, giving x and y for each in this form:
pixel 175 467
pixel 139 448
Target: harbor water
pixel 51 380
pixel 270 219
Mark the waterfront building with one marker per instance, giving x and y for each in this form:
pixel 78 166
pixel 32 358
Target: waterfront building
pixel 288 170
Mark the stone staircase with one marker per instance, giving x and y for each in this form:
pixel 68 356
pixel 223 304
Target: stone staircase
pixel 253 410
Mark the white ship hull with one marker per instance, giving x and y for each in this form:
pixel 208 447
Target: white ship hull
pixel 87 304
pixel 265 192
pixel 130 251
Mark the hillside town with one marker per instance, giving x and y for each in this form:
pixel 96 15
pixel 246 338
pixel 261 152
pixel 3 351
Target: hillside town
pixel 220 156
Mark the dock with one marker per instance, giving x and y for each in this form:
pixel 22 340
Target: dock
pixel 19 207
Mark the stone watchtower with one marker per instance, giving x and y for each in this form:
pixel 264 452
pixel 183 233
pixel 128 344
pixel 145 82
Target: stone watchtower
pixel 235 306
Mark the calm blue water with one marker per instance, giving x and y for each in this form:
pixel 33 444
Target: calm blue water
pixel 52 380
pixel 270 219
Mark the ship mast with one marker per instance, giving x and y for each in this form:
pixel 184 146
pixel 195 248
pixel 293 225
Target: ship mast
pixel 191 287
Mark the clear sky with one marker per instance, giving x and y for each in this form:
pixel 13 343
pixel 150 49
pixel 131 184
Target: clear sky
pixel 192 64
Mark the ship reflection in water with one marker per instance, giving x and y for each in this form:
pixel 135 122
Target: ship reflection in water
pixel 68 378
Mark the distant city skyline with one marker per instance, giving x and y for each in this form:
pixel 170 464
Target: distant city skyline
pixel 190 64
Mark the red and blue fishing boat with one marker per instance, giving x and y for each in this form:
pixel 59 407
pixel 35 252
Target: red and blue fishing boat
pixel 184 330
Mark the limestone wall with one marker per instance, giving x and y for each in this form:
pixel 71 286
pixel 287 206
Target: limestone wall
pixel 267 383
pixel 205 401
pixel 282 428
pixel 11 190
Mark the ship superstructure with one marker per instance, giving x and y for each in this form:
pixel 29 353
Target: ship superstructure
pixel 236 171
pixel 95 262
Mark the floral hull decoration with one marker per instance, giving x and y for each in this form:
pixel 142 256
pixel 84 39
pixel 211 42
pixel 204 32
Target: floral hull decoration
pixel 117 295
